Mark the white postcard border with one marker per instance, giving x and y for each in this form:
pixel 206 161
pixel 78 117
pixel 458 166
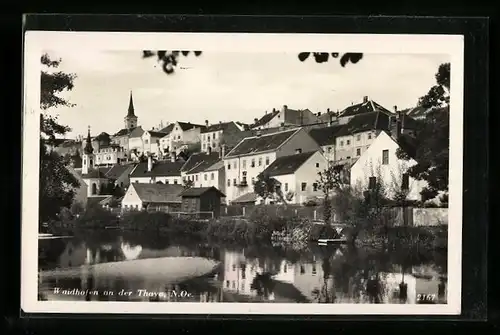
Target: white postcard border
pixel 38 41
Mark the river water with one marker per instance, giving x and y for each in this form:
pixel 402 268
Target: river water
pixel 264 273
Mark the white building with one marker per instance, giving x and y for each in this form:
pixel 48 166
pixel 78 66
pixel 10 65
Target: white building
pixel 380 163
pixel 135 142
pixel 202 169
pixel 151 141
pixel 181 136
pixel 286 117
pixel 298 175
pixel 326 138
pixel 143 196
pixel 254 154
pixel 153 171
pixel 212 135
pixel 110 155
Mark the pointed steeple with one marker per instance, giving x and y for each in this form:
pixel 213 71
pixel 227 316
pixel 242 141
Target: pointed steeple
pixel 131 106
pixel 88 146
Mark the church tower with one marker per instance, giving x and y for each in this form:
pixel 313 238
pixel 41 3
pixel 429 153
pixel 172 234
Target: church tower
pixel 88 155
pixel 130 119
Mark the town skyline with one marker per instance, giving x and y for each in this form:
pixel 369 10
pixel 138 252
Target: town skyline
pixel 215 85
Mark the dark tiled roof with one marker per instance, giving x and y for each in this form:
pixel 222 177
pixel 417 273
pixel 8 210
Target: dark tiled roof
pixel 325 135
pixel 167 129
pixel 416 112
pixel 118 170
pixel 219 126
pixel 300 117
pixel 158 193
pixel 253 145
pixel 122 132
pixel 136 132
pixel 365 122
pixel 246 198
pixel 199 158
pixel 198 191
pixel 362 108
pixel 287 164
pixel 97 173
pixel 205 164
pixel 265 119
pixel 154 133
pixel 160 169
pixel 188 125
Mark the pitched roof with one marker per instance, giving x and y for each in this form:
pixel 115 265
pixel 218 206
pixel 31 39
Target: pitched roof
pixel 118 170
pixel 265 119
pixel 158 193
pixel 364 107
pixel 218 126
pixel 365 122
pixel 300 117
pixel 160 169
pixel 155 133
pixel 188 125
pixel 198 191
pixel 245 198
pixel 263 143
pixel 287 164
pixel 136 132
pixel 96 199
pixel 325 135
pixel 198 158
pixel 216 166
pixel 167 129
pixel 123 132
pixel 416 112
pixel 97 173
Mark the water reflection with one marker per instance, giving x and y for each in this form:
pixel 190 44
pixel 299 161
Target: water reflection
pixel 246 274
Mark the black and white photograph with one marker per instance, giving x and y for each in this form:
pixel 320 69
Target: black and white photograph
pixel 242 173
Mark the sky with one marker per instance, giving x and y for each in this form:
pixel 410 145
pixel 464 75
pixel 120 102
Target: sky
pixel 230 86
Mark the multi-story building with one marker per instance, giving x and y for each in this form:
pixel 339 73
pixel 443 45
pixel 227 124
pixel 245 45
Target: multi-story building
pixel 286 117
pixel 154 171
pixel 180 136
pixel 213 136
pixel 326 138
pixel 254 154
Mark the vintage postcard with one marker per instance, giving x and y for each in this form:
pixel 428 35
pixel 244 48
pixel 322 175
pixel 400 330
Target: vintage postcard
pixel 219 173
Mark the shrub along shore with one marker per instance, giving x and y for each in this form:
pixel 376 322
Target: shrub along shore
pixel 258 228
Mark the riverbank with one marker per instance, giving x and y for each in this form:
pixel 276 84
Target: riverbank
pixel 286 231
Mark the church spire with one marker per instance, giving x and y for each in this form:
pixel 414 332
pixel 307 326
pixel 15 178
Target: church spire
pixel 131 106
pixel 88 146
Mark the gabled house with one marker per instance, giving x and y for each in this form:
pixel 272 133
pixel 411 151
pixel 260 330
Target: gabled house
pixel 120 174
pixel 108 155
pixel 151 141
pixel 135 140
pixel 181 136
pixel 298 175
pixel 202 200
pixel 195 167
pixel 152 197
pixel 367 106
pixel 213 136
pixel 153 171
pixel 380 163
pixel 326 139
pixel 253 154
pixel 286 117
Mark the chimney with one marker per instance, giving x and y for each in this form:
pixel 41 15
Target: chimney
pixel 365 99
pixel 265 112
pixel 328 110
pixel 319 113
pixel 222 151
pixel 255 120
pixel 285 107
pixel 298 151
pixel 173 156
pixel 396 109
pixel 150 163
pixel 274 110
pixel 395 127
pixel 206 123
pixel 220 122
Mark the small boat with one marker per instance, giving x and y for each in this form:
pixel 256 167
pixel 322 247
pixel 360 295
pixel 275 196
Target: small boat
pixel 43 236
pixel 325 241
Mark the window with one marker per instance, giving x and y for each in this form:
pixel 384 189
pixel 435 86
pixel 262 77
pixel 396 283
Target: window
pixel 329 149
pixel 348 157
pixel 208 138
pixel 303 186
pixel 315 187
pixel 146 141
pixel 372 182
pixel 166 182
pixel 212 176
pixel 285 268
pixel 234 181
pixel 314 269
pixel 286 187
pixel 317 165
pixel 234 164
pixel 260 161
pixel 234 267
pixel 244 164
pixel 253 181
pixel 358 152
pixel 179 137
pixel 385 157
pixel 405 185
pixel 229 166
pixel 196 177
pixel 302 269
pixel 267 160
pixel 227 283
pixel 206 176
pixel 253 162
pixel 175 181
pixel 348 142
pixel 369 136
pixel 229 182
pixel 341 143
pixel 215 136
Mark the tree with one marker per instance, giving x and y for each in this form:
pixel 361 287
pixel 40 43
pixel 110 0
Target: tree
pixel 267 187
pixel 169 59
pixel 432 139
pixel 57 183
pixel 330 180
